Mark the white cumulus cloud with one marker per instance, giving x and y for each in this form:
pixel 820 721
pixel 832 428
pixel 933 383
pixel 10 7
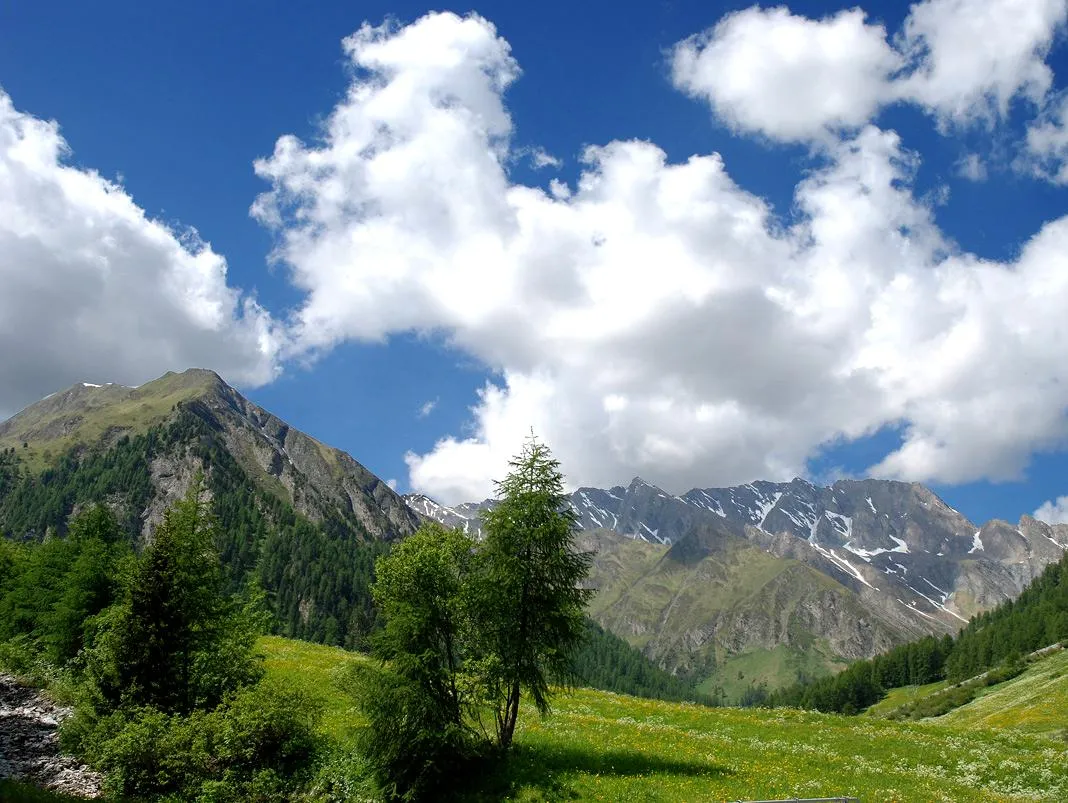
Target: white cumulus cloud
pixel 792 78
pixel 788 76
pixel 655 317
pixel 974 56
pixel 1053 512
pixel 1047 144
pixel 95 289
pixel 972 167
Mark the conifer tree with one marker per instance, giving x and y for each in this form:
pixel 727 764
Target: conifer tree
pixel 179 641
pixel 530 607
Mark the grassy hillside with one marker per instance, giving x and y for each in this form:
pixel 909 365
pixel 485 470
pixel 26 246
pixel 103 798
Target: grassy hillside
pixel 50 428
pixel 601 746
pixel 1036 701
pixel 770 669
pixel 321 671
pixel 730 616
pixel 905 695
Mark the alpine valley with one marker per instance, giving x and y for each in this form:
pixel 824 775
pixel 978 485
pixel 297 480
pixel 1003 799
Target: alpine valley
pixel 728 588
pixel 767 582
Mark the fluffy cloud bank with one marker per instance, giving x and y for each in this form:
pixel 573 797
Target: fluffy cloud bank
pixel 1053 512
pixel 657 318
pixel 792 78
pixel 95 290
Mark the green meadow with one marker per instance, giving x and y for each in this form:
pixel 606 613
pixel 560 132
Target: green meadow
pixel 603 746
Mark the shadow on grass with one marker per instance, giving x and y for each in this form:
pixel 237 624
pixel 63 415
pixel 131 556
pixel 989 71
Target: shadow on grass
pixel 538 767
pixel 22 792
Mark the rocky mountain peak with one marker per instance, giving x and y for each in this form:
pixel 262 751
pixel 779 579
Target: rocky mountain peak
pixel 893 541
pixel 318 480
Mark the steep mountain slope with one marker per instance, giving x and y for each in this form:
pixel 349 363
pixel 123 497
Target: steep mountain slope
pixel 713 595
pixel 305 520
pixel 843 571
pixel 316 479
pixel 898 538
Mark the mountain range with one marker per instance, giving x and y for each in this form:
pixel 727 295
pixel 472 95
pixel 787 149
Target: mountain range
pixel 801 576
pixel 302 520
pixel 728 586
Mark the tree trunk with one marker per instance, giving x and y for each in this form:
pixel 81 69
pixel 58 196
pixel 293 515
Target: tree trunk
pixel 511 715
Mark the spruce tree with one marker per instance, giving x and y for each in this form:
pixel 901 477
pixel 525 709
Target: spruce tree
pixel 179 642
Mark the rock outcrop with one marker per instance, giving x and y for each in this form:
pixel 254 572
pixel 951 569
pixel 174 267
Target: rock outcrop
pixel 29 743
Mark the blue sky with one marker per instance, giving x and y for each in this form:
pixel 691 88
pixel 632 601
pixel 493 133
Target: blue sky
pixel 176 103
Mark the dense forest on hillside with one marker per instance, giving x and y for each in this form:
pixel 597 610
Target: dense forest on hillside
pixel 605 661
pixel 994 642
pixel 316 575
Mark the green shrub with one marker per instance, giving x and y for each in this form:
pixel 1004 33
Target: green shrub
pixel 413 751
pixel 1005 672
pixel 938 704
pixel 259 744
pixel 344 775
pixel 147 753
pixel 270 724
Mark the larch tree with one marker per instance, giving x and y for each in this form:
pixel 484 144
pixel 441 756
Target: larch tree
pixel 530 605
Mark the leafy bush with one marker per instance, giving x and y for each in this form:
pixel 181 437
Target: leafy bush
pixel 260 744
pixel 344 775
pixel 270 724
pixel 411 748
pixel 144 752
pixel 942 703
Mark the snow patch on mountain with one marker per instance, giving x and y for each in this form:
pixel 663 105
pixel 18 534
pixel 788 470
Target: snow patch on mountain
pixel 1055 542
pixel 702 499
pixel 842 563
pixel 938 605
pixel 767 506
pixel 901 547
pixel 813 526
pixel 843 524
pixel 942 591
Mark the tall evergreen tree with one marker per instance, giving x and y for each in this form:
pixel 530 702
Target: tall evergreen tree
pixel 529 603
pixel 179 641
pixel 91 583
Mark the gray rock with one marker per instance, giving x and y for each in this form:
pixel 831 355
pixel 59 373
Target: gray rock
pixel 29 743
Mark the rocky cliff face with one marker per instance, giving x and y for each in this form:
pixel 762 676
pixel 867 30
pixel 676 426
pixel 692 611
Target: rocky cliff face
pixel 314 476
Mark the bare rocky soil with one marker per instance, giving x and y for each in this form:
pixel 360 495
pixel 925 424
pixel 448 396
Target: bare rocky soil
pixel 29 743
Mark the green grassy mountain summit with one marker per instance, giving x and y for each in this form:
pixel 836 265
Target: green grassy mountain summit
pixel 303 520
pixel 317 480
